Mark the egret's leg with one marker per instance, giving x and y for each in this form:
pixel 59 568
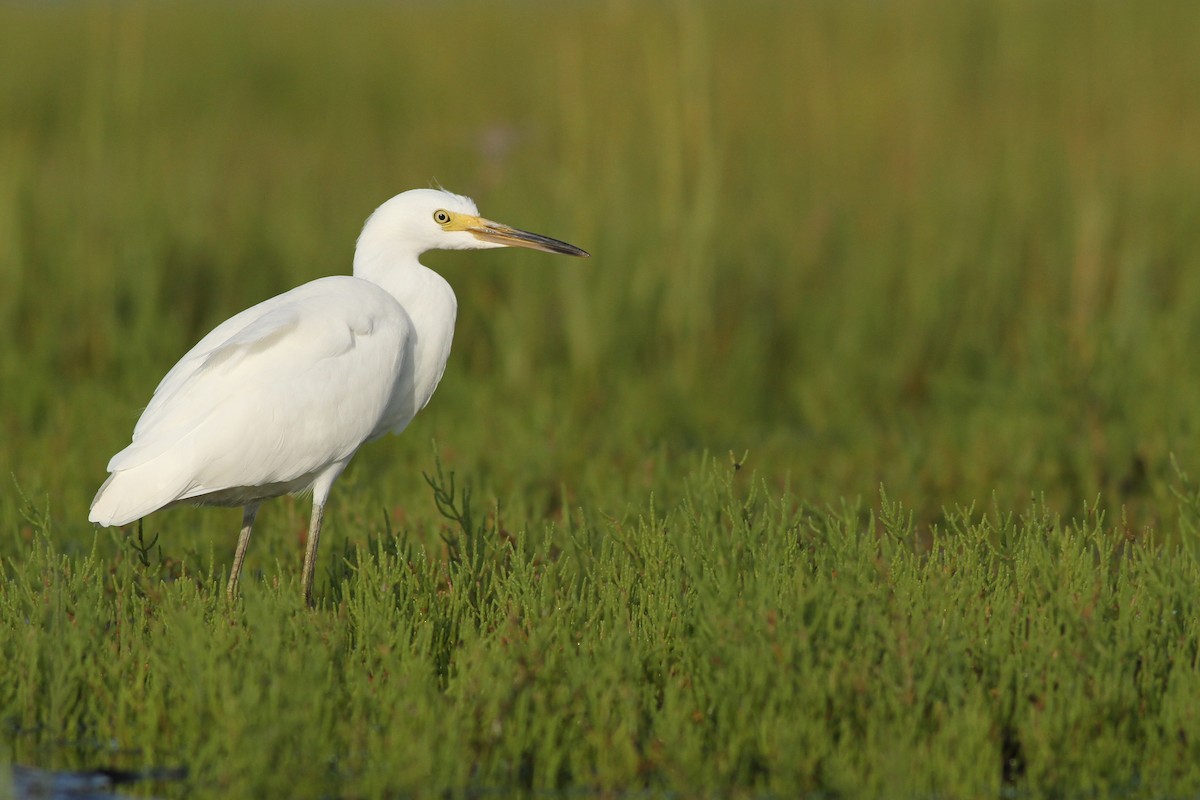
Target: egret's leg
pixel 248 514
pixel 320 493
pixel 310 551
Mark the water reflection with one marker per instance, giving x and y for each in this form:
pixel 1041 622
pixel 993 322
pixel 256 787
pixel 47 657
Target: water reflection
pixel 31 783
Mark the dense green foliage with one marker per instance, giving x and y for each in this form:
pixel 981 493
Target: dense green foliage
pixel 732 645
pixel 947 248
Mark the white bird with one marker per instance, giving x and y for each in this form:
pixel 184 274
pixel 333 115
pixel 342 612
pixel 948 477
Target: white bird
pixel 277 399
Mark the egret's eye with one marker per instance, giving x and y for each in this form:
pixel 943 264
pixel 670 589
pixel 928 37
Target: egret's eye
pixel 441 217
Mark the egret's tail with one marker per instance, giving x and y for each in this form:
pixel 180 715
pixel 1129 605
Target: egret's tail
pixel 131 494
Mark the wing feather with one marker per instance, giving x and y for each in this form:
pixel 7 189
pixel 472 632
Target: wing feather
pixel 254 401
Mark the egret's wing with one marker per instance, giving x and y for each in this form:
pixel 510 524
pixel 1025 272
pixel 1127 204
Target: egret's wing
pixel 256 327
pixel 199 366
pixel 284 387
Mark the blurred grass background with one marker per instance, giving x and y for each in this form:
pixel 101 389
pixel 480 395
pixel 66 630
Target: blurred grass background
pixel 950 248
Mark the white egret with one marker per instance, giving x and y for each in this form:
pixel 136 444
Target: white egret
pixel 277 399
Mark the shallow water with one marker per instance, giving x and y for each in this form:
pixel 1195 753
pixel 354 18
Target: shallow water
pixel 31 783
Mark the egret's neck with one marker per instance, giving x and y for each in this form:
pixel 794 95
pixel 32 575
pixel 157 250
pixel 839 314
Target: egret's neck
pixel 431 305
pixel 414 285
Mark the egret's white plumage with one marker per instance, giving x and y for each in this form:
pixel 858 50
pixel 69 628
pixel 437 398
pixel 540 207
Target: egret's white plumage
pixel 277 399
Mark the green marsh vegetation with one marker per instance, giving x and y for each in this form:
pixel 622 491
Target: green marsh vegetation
pixel 950 250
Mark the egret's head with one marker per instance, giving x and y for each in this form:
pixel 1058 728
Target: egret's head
pixel 431 219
